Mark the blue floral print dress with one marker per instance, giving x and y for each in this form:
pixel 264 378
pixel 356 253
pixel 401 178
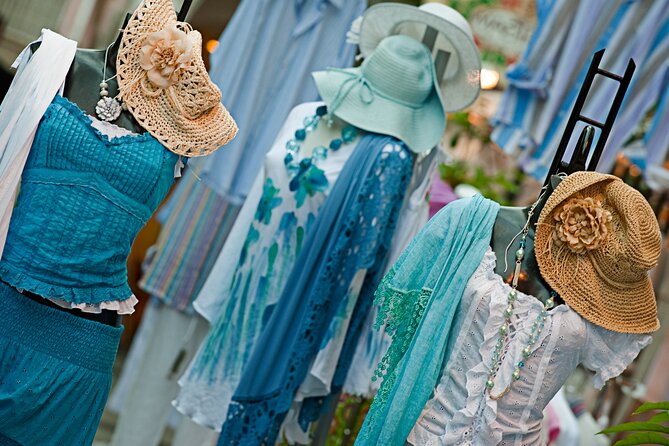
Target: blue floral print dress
pixel 253 266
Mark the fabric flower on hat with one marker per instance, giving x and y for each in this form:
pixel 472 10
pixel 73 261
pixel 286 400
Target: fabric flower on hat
pixel 164 54
pixel 582 225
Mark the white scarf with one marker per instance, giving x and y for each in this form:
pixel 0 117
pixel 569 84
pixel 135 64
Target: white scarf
pixel 40 76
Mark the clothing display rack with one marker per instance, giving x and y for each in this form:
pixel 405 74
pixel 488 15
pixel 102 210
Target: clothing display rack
pixel 577 162
pixel 580 155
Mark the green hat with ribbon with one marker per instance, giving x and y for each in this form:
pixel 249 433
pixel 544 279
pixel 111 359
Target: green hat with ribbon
pixel 394 92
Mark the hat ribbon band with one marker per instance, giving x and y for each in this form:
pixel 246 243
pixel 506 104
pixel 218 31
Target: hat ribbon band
pixel 366 93
pixel 366 89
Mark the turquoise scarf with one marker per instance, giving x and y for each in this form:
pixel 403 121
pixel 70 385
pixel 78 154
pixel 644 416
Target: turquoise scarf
pixel 419 297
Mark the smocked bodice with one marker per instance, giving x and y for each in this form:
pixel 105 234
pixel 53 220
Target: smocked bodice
pixel 84 197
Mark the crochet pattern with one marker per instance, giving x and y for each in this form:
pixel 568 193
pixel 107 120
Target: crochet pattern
pixel 607 283
pixel 187 116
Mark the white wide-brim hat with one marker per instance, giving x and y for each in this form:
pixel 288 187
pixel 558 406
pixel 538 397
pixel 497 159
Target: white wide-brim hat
pixel 460 82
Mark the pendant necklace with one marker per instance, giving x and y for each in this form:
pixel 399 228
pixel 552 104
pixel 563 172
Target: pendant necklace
pixel 503 333
pixel 108 109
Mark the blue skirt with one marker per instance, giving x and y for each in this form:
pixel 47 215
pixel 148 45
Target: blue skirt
pixel 55 373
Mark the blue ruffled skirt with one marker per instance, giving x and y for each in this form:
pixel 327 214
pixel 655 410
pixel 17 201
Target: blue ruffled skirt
pixel 55 373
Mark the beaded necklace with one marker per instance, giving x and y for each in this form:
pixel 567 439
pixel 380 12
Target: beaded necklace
pixel 319 153
pixel 503 334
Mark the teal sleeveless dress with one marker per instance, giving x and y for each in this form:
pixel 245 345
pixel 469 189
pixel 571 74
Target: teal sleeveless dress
pixel 84 197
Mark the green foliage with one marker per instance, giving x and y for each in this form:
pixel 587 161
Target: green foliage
pixel 461 121
pixel 653 431
pixel 497 187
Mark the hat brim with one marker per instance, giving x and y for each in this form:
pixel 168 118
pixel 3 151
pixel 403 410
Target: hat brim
pixel 382 20
pixel 590 298
pixel 419 128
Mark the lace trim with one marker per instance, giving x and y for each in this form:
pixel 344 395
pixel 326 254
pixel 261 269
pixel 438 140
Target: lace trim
pixel 108 129
pixel 401 312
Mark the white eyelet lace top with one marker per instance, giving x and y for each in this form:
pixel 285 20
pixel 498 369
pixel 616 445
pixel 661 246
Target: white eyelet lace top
pixel 461 412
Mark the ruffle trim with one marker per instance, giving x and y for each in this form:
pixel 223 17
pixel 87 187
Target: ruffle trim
pixel 122 307
pixel 89 300
pixel 622 349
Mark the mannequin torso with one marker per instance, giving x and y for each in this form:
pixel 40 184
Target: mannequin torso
pixel 510 221
pixel 82 84
pixel 82 87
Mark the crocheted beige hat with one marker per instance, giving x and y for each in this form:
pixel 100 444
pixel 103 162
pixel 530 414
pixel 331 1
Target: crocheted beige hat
pixel 165 85
pixel 596 240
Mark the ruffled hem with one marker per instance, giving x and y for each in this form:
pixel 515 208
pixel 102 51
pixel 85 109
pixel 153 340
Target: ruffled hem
pixel 120 297
pixel 122 307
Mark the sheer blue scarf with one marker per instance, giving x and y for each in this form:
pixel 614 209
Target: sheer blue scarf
pixel 419 297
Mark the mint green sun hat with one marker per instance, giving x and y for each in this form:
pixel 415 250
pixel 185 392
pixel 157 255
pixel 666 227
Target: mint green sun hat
pixel 394 92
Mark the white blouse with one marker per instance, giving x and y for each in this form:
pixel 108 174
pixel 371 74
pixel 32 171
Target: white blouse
pixel 461 411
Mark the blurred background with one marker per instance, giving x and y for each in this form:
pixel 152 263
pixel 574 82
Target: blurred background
pixel 478 155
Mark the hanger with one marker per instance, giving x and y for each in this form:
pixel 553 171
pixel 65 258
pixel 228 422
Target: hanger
pixel 441 59
pixel 582 151
pixel 185 6
pixel 181 16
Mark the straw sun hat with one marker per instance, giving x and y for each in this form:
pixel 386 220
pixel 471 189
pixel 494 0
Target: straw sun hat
pixel 164 83
pixel 460 82
pixel 393 93
pixel 596 240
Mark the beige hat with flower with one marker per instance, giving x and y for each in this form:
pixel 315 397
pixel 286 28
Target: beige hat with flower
pixel 165 85
pixel 596 240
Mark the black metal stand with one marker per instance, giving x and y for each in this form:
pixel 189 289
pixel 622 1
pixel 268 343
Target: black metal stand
pixel 579 158
pixel 185 6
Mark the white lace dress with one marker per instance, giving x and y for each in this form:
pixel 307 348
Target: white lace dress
pixel 461 412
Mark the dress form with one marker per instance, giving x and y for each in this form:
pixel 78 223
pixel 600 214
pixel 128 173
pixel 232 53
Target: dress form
pixel 510 221
pixel 82 87
pixel 82 84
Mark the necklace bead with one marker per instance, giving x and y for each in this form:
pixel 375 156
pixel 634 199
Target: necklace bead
pixel 508 312
pixel 319 153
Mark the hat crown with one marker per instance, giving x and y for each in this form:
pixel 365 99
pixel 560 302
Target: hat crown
pixel 634 246
pixel 401 69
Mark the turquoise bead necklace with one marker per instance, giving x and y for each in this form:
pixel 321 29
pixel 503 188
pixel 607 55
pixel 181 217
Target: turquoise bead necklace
pixel 503 333
pixel 319 153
